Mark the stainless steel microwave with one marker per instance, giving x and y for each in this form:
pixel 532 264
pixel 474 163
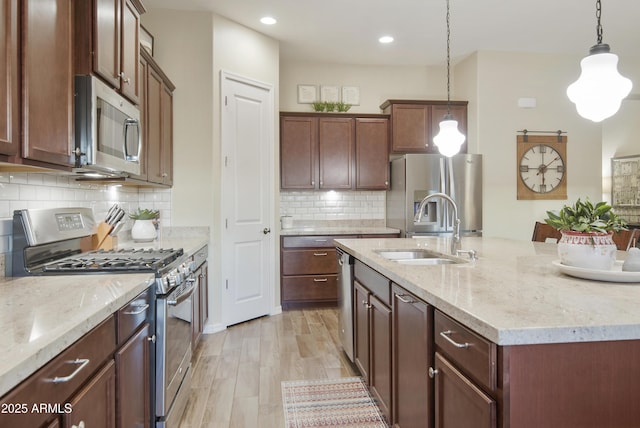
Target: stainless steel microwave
pixel 107 130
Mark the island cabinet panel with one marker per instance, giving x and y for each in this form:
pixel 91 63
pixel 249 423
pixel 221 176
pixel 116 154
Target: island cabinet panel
pixel 412 356
pixel 459 403
pixel 380 377
pixel 9 69
pixel 372 331
pixel 47 82
pixel 587 385
pixel 414 123
pixel 361 329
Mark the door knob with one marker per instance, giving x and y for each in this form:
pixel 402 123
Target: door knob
pixel 266 230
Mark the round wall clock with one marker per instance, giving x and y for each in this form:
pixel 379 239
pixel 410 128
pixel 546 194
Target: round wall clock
pixel 542 172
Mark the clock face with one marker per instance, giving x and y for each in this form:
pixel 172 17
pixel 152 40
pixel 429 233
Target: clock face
pixel 542 168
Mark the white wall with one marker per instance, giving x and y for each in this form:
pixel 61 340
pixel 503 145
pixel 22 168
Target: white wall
pixel 376 83
pixel 502 79
pixel 193 48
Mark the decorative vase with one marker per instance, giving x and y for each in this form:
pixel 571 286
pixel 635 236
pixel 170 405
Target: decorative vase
pixel 143 231
pixel 587 250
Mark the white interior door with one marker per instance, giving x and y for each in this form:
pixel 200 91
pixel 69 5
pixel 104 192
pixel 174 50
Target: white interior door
pixel 247 197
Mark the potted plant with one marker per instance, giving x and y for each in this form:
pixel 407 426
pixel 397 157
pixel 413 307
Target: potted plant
pixel 144 225
pixel 587 234
pixel 318 106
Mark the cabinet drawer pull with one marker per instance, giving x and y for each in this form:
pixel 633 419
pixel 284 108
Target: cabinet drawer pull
pixel 403 300
pixel 82 361
pixel 319 240
pixel 319 254
pixel 446 334
pixel 141 309
pixel 320 279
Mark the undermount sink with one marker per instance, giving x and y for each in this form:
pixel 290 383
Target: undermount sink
pixel 418 257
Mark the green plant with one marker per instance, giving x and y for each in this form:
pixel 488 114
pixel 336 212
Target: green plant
pixel 318 106
pixel 343 107
pixel 329 106
pixel 144 214
pixel 586 217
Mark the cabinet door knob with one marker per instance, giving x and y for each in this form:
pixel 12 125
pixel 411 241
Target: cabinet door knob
pixel 266 230
pixel 432 372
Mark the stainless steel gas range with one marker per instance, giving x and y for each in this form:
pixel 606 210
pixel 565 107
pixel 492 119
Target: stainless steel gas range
pixel 53 241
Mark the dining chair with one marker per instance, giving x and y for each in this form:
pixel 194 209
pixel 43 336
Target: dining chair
pixel 542 232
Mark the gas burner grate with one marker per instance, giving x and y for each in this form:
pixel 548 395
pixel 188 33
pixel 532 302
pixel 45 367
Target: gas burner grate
pixel 115 261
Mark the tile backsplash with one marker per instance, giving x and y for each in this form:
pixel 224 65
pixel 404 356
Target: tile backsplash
pixel 48 190
pixel 333 205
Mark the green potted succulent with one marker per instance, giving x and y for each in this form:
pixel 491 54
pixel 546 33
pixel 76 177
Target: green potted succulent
pixel 587 234
pixel 144 224
pixel 144 214
pixel 343 107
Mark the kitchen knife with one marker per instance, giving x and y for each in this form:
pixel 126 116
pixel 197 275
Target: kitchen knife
pixel 109 218
pixel 118 216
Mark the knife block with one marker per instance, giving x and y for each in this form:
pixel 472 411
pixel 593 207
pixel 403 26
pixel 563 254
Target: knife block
pixel 102 240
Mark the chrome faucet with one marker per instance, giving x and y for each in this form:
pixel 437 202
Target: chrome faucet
pixel 455 239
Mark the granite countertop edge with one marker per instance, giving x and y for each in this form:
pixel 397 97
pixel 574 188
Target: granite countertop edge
pixel 463 292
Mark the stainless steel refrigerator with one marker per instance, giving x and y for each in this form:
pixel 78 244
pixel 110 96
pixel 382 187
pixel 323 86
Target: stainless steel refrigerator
pixel 415 176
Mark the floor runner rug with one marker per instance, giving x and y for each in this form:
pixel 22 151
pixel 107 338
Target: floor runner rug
pixel 343 402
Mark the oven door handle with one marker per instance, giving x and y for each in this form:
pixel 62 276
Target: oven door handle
pixel 185 294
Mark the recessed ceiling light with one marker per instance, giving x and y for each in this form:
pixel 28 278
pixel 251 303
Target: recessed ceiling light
pixel 385 39
pixel 268 20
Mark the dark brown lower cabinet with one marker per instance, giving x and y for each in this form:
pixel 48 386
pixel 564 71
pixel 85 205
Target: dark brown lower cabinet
pixel 134 391
pixel 412 356
pixel 372 328
pixel 94 405
pixel 380 356
pixel 458 402
pixel 361 329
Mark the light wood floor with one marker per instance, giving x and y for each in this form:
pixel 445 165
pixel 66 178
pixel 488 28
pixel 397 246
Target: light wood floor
pixel 237 372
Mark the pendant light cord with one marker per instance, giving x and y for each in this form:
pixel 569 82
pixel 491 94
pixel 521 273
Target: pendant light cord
pixel 599 26
pixel 449 60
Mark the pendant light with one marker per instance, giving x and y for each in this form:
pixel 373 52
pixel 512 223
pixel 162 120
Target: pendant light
pixel 449 139
pixel 600 89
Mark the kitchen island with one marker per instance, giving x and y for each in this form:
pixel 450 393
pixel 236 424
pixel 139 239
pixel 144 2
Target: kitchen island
pixel 512 340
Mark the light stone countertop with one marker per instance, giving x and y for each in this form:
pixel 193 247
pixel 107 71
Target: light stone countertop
pixel 512 294
pixel 42 316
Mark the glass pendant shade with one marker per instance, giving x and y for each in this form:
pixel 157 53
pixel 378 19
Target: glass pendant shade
pixel 599 90
pixel 449 139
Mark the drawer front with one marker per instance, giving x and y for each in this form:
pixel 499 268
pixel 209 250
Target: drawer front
pixel 471 353
pixel 379 285
pixel 305 288
pixel 309 262
pixel 133 314
pixel 319 241
pixel 61 377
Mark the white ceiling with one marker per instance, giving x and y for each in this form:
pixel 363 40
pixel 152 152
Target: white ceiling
pixel 346 31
